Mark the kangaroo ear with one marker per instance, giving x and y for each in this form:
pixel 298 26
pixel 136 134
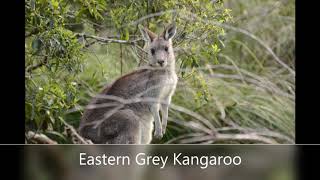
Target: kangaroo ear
pixel 169 32
pixel 147 34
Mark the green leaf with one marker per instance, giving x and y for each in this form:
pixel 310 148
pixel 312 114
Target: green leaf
pixel 55 4
pixel 36 45
pixel 126 37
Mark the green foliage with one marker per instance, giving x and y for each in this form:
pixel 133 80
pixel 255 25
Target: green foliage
pixel 46 106
pixel 62 48
pixel 54 56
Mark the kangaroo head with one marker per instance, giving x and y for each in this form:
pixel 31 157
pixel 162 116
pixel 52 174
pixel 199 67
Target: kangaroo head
pixel 159 47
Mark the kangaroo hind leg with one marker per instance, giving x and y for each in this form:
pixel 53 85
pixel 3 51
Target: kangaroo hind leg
pixel 122 128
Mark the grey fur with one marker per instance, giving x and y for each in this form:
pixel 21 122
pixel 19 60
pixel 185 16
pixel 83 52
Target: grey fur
pixel 131 122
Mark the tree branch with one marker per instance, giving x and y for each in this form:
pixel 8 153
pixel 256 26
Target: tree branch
pixel 40 138
pixel 42 63
pixel 107 40
pixel 34 31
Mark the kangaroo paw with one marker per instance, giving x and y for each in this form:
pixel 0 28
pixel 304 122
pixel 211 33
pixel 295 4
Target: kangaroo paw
pixel 158 134
pixel 164 127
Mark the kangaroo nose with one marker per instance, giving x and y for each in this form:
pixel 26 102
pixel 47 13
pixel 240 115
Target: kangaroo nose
pixel 161 62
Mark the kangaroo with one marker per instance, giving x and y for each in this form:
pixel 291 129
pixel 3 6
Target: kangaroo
pixel 125 111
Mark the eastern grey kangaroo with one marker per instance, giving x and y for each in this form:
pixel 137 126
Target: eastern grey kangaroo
pixel 124 112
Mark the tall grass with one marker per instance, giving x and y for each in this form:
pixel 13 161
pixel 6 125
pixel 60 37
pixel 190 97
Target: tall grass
pixel 252 94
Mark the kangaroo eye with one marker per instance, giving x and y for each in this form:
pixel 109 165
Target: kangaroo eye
pixel 166 48
pixel 153 51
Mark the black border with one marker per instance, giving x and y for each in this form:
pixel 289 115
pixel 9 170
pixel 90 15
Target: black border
pixel 12 161
pixel 12 73
pixel 307 74
pixel 308 161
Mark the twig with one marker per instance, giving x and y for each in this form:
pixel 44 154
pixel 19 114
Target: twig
pixel 42 63
pixel 107 40
pixel 40 138
pixel 34 31
pixel 121 60
pixel 75 134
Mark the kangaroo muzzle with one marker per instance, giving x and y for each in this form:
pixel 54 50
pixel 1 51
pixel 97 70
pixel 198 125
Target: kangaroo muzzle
pixel 161 58
pixel 161 63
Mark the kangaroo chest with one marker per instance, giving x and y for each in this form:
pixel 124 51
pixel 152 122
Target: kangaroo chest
pixel 159 86
pixel 168 84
